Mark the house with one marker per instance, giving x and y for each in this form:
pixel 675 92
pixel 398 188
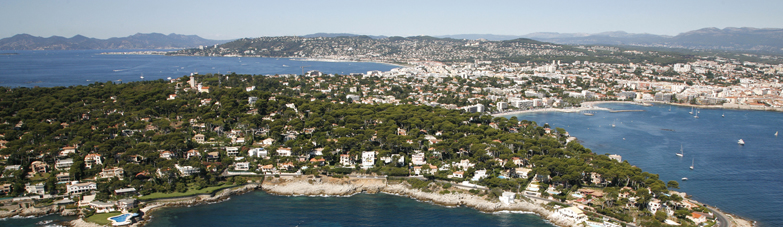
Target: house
pixel 232 151
pixel 522 172
pixel 203 89
pixel 418 159
pixel 518 161
pixel 242 166
pixel 92 159
pixel 192 153
pixel 532 190
pixel 268 141
pixel 285 166
pixel 125 191
pixel 283 152
pixel 213 155
pixel 63 178
pixel 113 172
pixel 318 161
pixel 35 188
pixel 596 178
pixel 6 188
pixel 63 164
pixel 458 174
pixel 172 97
pixel 167 155
pixel 187 170
pixel 345 160
pixel 507 197
pixel 573 214
pixel 368 159
pixel 102 207
pixel 238 140
pixel 257 152
pixel 67 150
pixel 39 167
pixel 654 205
pixel 75 187
pixel 267 169
pixel 127 204
pixel 199 138
pixel 697 218
pixel 616 157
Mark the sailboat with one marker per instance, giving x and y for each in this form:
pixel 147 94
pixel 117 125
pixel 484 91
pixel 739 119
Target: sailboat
pixel 615 120
pixel 692 163
pixel 691 111
pixel 697 115
pixel 681 152
pixel 741 142
pixel 776 133
pixel 723 115
pixel 670 109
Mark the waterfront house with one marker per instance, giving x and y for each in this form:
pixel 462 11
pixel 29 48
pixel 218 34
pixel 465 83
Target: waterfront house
pixel 572 214
pixel 187 170
pixel 76 187
pixel 126 204
pixel 418 159
pixel 267 169
pixel 697 218
pixel 6 188
pixel 368 159
pixel 102 207
pixel 35 188
pixel 125 191
pixel 345 160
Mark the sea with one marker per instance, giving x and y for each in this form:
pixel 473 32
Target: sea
pixel 83 67
pixel 744 180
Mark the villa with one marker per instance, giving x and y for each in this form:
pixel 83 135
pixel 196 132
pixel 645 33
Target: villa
pixel 573 214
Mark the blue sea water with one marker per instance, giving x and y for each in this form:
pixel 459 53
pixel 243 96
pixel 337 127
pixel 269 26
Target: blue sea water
pixel 744 180
pixel 82 67
pixel 261 209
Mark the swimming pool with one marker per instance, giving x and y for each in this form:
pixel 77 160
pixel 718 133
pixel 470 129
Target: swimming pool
pixel 122 219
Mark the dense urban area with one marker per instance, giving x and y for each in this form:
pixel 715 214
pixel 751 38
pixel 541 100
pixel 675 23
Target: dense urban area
pixel 431 123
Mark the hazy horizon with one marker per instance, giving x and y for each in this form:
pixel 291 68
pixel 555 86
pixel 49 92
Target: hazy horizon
pixel 240 19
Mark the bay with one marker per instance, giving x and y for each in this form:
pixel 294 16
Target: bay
pixel 83 67
pixel 744 180
pixel 261 209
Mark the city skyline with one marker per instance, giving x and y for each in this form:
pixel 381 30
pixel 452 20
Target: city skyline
pixel 238 19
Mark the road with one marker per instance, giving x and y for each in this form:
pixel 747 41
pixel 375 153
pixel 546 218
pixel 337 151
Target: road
pixel 723 221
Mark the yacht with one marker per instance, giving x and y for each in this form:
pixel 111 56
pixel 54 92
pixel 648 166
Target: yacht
pixel 691 111
pixel 741 142
pixel 697 115
pixel 615 120
pixel 684 178
pixel 681 153
pixel 692 163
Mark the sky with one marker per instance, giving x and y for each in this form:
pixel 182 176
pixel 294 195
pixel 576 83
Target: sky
pixel 225 20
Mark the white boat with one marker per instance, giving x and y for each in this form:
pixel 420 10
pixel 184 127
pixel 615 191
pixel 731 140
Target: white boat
pixel 697 115
pixel 776 133
pixel 723 115
pixel 670 109
pixel 741 142
pixel 681 152
pixel 691 111
pixel 684 178
pixel 615 120
pixel 692 163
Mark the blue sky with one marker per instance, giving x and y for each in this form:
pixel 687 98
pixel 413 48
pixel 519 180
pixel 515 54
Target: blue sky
pixel 237 19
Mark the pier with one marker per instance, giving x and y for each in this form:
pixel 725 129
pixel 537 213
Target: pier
pixel 620 111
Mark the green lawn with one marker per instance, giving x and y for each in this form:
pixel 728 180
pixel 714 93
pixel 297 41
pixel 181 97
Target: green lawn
pixel 102 219
pixel 191 191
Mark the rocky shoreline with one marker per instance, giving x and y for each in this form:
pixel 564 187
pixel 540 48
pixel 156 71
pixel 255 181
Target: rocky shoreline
pixel 325 186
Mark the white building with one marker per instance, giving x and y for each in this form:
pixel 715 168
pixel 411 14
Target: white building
pixel 35 188
pixel 63 164
pixel 502 106
pixel 81 187
pixel 368 159
pixel 187 170
pixel 242 166
pixel 257 152
pixel 284 152
pixel 573 214
pixel 418 159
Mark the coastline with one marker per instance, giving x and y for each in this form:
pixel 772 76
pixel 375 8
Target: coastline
pixel 327 186
pixel 587 106
pixel 348 186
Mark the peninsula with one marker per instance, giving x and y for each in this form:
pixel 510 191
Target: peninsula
pixel 102 150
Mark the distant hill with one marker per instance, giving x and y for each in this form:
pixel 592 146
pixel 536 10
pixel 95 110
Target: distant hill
pixel 489 37
pixel 79 42
pixel 332 35
pixel 762 40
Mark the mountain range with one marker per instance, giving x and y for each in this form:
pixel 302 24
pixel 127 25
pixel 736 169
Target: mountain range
pixel 760 40
pixel 79 42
